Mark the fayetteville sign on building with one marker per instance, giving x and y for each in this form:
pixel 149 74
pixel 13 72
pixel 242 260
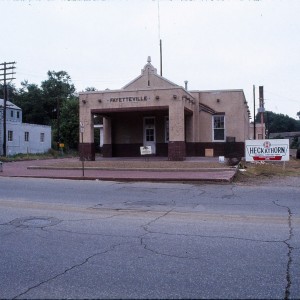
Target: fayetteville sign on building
pixel 274 150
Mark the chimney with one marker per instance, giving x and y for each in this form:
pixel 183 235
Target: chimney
pixel 186 84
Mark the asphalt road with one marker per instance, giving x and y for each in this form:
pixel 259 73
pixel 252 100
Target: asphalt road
pixel 94 239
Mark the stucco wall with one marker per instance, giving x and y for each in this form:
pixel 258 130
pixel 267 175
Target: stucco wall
pixel 143 101
pixel 234 105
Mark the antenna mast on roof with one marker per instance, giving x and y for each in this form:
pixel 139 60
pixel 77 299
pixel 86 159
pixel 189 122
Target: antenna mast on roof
pixel 160 42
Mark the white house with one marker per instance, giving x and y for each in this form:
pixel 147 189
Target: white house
pixel 22 137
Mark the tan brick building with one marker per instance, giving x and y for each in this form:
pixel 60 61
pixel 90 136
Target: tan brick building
pixel 153 111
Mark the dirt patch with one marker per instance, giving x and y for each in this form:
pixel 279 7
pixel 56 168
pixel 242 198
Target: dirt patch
pixel 262 172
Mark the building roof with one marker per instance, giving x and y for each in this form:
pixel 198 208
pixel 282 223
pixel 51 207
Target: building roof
pixel 149 78
pixel 8 105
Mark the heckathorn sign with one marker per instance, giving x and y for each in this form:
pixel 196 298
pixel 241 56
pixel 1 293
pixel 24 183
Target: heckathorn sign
pixel 274 150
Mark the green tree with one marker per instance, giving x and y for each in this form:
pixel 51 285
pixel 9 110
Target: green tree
pixel 56 90
pixel 30 98
pixel 53 103
pixel 90 89
pixel 70 123
pixel 279 122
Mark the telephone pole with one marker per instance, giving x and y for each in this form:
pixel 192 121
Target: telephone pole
pixel 262 110
pixel 6 73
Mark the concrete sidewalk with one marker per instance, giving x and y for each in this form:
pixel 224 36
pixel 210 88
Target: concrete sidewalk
pixel 53 168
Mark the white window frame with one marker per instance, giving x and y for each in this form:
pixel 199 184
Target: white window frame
pixel 10 135
pixel 26 136
pixel 213 128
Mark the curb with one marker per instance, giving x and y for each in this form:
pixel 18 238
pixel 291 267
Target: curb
pixel 132 169
pixel 144 179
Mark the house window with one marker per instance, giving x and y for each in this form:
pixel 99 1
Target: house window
pixel 10 136
pixel 11 113
pixel 166 129
pixel 219 128
pixel 42 137
pixel 18 114
pixel 26 137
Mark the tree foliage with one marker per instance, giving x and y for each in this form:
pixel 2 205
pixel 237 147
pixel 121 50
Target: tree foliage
pixel 52 103
pixel 70 123
pixel 30 98
pixel 279 122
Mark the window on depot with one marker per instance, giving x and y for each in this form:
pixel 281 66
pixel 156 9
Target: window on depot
pixel 219 128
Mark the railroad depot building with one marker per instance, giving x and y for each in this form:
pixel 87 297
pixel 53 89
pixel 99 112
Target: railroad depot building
pixel 176 122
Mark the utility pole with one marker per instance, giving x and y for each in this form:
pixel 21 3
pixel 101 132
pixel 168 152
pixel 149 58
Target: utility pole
pixel 7 72
pixel 160 48
pixel 254 121
pixel 262 109
pixel 58 122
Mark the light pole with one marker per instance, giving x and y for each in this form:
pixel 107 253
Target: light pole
pixel 82 154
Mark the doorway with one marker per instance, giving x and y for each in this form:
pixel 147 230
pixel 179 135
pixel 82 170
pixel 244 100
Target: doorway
pixel 149 138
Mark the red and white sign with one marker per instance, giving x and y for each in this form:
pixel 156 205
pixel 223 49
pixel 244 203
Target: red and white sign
pixel 267 150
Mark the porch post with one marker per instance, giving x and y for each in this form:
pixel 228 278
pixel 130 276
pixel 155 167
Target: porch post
pixel 176 148
pixel 86 138
pixel 107 140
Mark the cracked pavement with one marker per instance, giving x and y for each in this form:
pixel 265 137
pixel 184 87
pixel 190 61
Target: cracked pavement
pixel 110 240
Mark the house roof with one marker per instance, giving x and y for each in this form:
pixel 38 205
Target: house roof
pixel 8 105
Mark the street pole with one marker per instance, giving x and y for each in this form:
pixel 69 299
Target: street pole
pixel 262 109
pixel 58 122
pixel 4 117
pixel 7 70
pixel 254 122
pixel 82 155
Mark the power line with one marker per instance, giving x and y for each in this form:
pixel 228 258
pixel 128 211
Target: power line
pixel 7 72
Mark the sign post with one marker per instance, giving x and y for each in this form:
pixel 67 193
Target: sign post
pixel 82 159
pixel 146 151
pixel 267 150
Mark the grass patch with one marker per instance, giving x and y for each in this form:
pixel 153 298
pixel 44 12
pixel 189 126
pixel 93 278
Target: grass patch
pixel 37 156
pixel 260 170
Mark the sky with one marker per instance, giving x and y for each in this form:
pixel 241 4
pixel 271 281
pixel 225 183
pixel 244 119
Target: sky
pixel 213 44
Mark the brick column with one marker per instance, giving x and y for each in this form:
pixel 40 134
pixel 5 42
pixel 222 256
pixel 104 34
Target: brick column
pixel 107 150
pixel 176 151
pixel 87 151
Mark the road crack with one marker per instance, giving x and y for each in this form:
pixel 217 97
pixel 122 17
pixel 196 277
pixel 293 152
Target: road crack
pixel 67 270
pixel 290 250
